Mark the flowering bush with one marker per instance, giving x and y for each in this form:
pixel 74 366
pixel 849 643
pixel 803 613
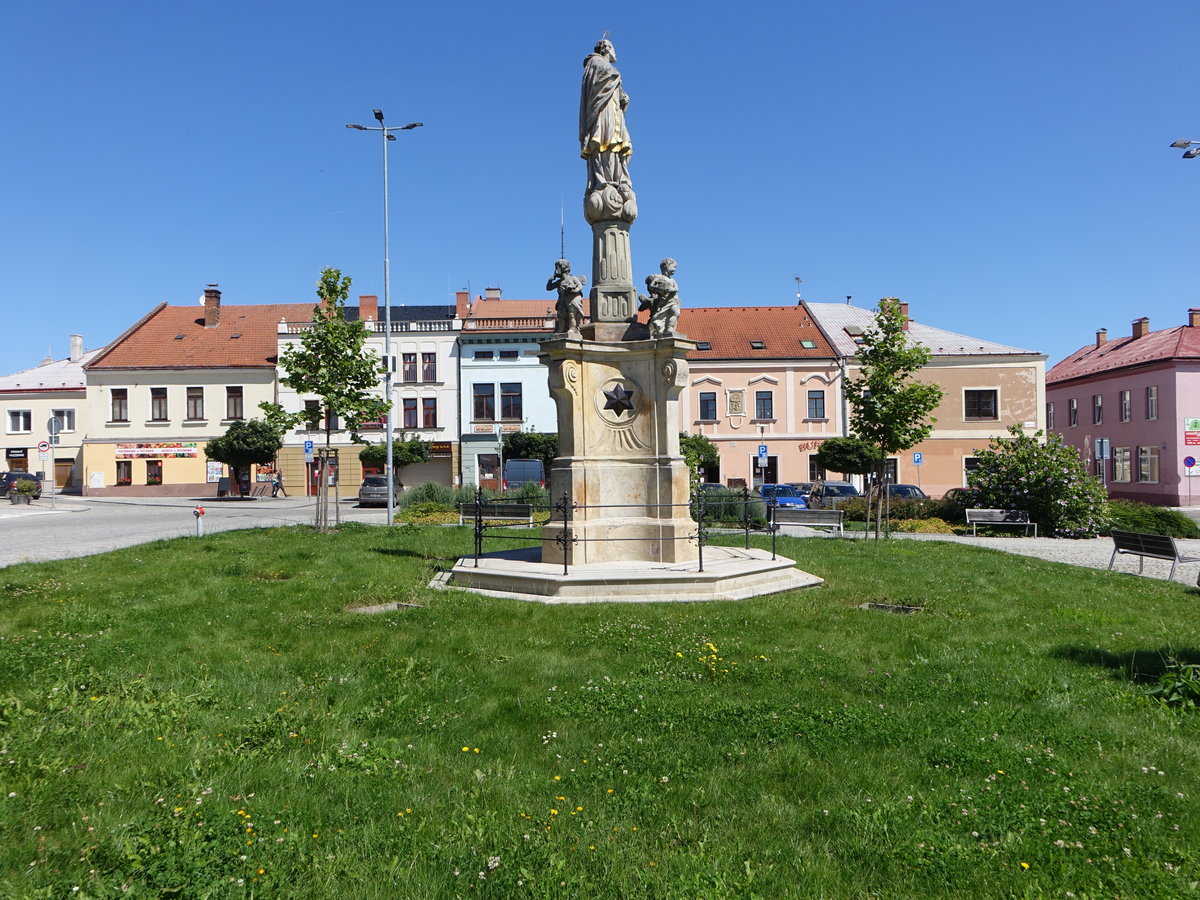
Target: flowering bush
pixel 1047 479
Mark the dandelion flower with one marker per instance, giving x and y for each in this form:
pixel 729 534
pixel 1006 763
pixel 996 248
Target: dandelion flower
pixel 1024 865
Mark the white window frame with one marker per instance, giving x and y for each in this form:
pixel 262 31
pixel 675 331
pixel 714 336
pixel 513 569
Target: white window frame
pixel 15 426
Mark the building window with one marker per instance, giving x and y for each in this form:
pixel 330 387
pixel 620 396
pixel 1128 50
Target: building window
pixel 1152 402
pixel 510 401
pixel 509 354
pixel 124 472
pixel 66 419
pixel 1072 412
pixel 708 406
pixel 1050 416
pixel 312 414
pixel 158 405
pixel 120 405
pixel 408 367
pixel 1126 406
pixel 154 471
pixel 484 354
pixel 815 472
pixel 233 403
pixel 410 412
pixel 429 412
pixel 1121 464
pixel 429 367
pixel 485 402
pixel 1148 465
pixel 816 404
pixel 764 405
pixel 1097 409
pixel 195 403
pixel 20 421
pixel 980 405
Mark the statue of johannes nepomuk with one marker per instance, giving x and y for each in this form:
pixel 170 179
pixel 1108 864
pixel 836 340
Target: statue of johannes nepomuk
pixel 569 306
pixel 663 301
pixel 604 139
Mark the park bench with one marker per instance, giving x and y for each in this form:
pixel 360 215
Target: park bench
pixel 1157 546
pixel 1019 517
pixel 810 518
pixel 515 512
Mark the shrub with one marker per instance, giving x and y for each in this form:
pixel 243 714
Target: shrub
pixel 1129 515
pixel 428 513
pixel 27 486
pixel 726 506
pixel 442 494
pixel 1047 479
pixel 923 526
pixel 529 493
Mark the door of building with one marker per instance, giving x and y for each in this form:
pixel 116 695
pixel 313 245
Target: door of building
pixel 62 472
pixel 768 474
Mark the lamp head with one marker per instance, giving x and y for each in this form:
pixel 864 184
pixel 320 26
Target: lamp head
pixel 1181 144
pixel 378 114
pixel 358 127
pixel 411 125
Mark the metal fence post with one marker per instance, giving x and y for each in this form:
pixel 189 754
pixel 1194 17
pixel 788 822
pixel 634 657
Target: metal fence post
pixel 700 528
pixel 478 524
pixel 746 513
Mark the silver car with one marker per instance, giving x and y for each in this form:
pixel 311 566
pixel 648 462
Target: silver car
pixel 373 491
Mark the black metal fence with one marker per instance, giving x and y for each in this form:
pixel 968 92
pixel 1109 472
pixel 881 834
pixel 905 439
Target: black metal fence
pixel 492 515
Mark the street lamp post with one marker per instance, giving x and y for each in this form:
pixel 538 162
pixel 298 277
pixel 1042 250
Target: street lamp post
pixel 386 131
pixel 1191 149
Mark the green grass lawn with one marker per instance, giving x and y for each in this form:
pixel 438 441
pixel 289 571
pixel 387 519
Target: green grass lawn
pixel 205 717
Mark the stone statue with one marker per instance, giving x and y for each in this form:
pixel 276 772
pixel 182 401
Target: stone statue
pixel 604 140
pixel 570 298
pixel 663 301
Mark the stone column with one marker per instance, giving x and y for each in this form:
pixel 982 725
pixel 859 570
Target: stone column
pixel 618 443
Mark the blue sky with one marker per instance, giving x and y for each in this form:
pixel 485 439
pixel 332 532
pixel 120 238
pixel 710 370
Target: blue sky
pixel 1002 167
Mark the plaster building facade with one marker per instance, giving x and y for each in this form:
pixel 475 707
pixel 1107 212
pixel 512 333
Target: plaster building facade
pixel 29 399
pixel 1136 400
pixel 987 387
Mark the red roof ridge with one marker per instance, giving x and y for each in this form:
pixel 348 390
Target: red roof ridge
pixel 125 335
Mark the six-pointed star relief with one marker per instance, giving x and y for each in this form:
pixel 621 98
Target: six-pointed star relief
pixel 618 400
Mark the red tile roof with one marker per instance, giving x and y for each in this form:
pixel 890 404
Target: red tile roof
pixel 174 337
pixel 729 331
pixel 1180 342
pixel 497 308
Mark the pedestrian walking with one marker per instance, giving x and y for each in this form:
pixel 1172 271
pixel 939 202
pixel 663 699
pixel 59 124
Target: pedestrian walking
pixel 277 484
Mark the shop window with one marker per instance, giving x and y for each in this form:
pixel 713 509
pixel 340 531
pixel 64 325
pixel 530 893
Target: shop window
pixel 233 403
pixel 815 472
pixel 154 471
pixel 124 472
pixel 158 404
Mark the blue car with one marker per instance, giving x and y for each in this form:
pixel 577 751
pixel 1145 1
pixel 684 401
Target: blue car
pixel 782 495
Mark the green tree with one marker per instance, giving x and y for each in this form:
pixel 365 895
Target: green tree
pixel 404 453
pixel 1048 479
pixel 331 362
pixel 699 452
pixel 889 408
pixel 532 445
pixel 850 456
pixel 247 442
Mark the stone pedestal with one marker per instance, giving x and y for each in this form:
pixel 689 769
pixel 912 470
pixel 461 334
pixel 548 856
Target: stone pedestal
pixel 618 443
pixel 613 296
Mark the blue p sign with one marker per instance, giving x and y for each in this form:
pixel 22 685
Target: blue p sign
pixel 918 458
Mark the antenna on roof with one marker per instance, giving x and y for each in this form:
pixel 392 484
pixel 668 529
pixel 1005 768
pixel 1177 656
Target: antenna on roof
pixel 798 281
pixel 562 229
pixel 847 299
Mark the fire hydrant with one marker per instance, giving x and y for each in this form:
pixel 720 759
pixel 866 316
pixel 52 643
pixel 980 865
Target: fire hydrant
pixel 198 512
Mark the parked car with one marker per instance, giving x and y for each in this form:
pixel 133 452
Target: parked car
pixel 709 486
pixel 782 495
pixel 373 491
pixel 963 496
pixel 8 481
pixel 906 492
pixel 518 472
pixel 804 487
pixel 828 494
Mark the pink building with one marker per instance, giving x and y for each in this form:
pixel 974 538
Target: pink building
pixel 1141 395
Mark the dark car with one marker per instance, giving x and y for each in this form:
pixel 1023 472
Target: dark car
pixel 906 492
pixel 963 496
pixel 8 481
pixel 518 472
pixel 373 491
pixel 782 495
pixel 828 494
pixel 804 487
pixel 709 486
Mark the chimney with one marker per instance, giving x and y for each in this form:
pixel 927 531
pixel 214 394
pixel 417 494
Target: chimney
pixel 492 293
pixel 1141 327
pixel 462 304
pixel 904 312
pixel 1101 338
pixel 368 307
pixel 1194 318
pixel 76 347
pixel 212 306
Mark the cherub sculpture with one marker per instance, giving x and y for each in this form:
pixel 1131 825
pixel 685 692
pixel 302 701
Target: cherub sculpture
pixel 663 301
pixel 570 298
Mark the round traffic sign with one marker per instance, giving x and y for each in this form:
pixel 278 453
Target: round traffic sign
pixel 43 446
pixel 1189 461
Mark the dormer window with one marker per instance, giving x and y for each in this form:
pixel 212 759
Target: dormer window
pixel 703 345
pixel 758 345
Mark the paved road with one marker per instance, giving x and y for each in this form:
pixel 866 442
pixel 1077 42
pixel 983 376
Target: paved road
pixel 83 526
